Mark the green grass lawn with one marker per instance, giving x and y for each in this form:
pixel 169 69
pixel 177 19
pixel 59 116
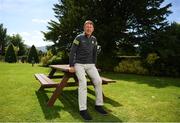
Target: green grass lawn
pixel 131 98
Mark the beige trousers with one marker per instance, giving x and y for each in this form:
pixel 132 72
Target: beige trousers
pixel 92 72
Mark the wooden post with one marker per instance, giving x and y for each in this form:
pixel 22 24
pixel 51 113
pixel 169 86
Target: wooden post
pixel 52 72
pixel 58 90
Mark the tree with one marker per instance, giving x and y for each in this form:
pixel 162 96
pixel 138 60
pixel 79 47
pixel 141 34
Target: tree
pixel 33 55
pixel 3 35
pixel 167 46
pixel 10 55
pixel 117 23
pixel 17 41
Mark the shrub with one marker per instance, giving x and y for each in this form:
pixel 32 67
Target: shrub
pixel 160 65
pixel 45 59
pixel 131 66
pixel 2 58
pixel 151 58
pixel 54 60
pixel 24 59
pixel 33 55
pixel 10 55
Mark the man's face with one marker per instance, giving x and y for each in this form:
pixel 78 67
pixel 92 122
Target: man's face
pixel 88 29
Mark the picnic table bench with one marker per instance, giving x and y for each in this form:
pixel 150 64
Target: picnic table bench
pixel 47 82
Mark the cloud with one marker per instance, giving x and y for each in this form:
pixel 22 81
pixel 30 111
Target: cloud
pixel 35 20
pixel 23 34
pixel 33 38
pixel 6 5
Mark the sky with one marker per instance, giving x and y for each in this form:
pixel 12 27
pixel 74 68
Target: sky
pixel 175 15
pixel 29 17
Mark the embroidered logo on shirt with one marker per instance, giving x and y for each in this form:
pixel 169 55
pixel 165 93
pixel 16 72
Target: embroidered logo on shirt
pixel 94 42
pixel 76 42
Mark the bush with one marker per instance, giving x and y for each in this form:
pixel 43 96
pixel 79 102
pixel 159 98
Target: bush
pixel 45 59
pixel 161 66
pixel 151 63
pixel 10 55
pixel 33 55
pixel 49 59
pixel 54 60
pixel 151 58
pixel 131 66
pixel 2 58
pixel 166 44
pixel 23 59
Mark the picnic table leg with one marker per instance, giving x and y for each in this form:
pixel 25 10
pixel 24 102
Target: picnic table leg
pixel 41 88
pixel 58 90
pixel 52 73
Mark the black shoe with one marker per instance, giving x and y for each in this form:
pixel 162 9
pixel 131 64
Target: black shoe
pixel 100 110
pixel 85 115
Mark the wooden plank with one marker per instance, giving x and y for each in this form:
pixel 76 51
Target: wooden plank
pixel 64 68
pixel 56 76
pixel 107 80
pixel 50 85
pixel 49 81
pixel 71 84
pixel 45 81
pixel 41 80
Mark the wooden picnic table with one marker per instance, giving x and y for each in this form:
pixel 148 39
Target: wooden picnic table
pixel 47 82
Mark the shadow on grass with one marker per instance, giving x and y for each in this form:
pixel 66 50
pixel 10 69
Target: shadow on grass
pixel 69 100
pixel 49 113
pixel 154 81
pixel 107 99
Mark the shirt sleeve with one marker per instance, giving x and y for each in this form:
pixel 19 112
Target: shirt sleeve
pixel 72 55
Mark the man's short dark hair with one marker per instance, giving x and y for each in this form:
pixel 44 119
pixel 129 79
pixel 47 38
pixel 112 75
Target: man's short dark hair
pixel 88 22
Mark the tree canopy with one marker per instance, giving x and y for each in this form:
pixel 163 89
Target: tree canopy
pixel 3 36
pixel 167 46
pixel 15 39
pixel 33 55
pixel 118 24
pixel 10 55
pixel 18 42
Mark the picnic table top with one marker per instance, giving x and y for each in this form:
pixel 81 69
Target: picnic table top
pixel 64 67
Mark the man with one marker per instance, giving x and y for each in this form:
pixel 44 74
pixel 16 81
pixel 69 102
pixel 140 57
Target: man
pixel 82 60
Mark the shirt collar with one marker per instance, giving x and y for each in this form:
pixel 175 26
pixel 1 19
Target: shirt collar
pixel 86 35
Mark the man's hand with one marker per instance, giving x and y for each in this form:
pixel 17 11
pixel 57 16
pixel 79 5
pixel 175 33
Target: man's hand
pixel 71 69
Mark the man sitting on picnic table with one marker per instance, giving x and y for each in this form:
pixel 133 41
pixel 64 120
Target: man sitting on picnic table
pixel 82 60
